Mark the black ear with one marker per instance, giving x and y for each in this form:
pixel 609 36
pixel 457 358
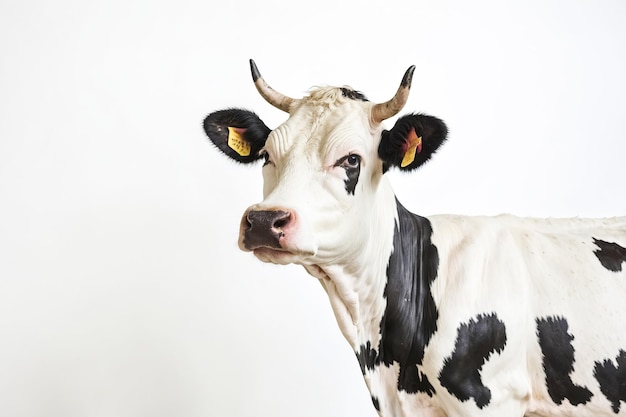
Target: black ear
pixel 240 134
pixel 411 141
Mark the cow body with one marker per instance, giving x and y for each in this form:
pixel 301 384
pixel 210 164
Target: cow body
pixel 447 315
pixel 508 335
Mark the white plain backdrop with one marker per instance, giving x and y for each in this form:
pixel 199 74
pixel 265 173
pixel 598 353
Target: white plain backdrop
pixel 122 291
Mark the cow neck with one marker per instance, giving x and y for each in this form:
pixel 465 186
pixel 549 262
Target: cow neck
pixel 355 284
pixel 357 308
pixel 386 309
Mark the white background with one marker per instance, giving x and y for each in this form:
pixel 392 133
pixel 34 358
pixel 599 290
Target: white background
pixel 122 291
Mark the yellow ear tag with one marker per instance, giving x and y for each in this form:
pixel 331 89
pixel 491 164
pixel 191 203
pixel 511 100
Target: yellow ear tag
pixel 415 146
pixel 236 142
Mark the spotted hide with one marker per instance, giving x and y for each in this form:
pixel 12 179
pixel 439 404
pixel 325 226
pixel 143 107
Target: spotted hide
pixel 447 315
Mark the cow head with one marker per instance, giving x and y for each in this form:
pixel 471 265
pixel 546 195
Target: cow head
pixel 325 194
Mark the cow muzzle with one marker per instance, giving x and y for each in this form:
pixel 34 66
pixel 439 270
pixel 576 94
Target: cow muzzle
pixel 264 228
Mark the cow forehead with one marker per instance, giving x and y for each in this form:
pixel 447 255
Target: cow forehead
pixel 325 124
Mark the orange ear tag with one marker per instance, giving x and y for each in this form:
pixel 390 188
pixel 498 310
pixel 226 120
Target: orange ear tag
pixel 236 142
pixel 415 147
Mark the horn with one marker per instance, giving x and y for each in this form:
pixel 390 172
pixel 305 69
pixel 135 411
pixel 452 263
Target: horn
pixel 382 111
pixel 272 96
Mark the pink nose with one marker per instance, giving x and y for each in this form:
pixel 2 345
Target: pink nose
pixel 264 228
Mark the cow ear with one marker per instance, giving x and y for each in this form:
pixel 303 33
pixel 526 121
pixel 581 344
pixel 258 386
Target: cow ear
pixel 411 141
pixel 239 133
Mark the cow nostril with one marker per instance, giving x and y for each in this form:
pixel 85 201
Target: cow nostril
pixel 282 222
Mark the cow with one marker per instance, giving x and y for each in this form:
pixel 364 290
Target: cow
pixel 448 315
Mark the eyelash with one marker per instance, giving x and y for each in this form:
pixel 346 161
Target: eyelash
pixel 350 161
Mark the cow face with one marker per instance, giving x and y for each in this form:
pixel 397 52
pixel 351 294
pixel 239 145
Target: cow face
pixel 323 169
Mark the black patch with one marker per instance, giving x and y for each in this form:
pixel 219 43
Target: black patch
pixel 558 361
pixel 353 179
pixel 611 255
pixel 352 165
pixel 352 94
pixel 410 317
pixel 475 342
pixel 376 403
pixel 412 380
pixel 612 380
pixel 367 357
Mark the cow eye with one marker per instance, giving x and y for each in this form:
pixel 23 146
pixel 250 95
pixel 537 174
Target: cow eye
pixel 351 161
pixel 266 158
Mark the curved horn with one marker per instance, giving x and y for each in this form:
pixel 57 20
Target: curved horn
pixel 272 96
pixel 390 108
